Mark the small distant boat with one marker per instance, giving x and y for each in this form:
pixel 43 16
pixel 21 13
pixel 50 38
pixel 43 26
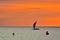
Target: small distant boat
pixel 47 33
pixel 34 26
pixel 13 33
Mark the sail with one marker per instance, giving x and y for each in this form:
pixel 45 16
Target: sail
pixel 34 25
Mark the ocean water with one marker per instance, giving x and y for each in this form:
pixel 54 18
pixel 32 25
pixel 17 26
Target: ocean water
pixel 27 33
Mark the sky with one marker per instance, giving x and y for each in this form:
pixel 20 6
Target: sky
pixel 26 12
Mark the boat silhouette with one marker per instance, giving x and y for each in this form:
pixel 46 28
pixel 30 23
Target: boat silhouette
pixel 34 26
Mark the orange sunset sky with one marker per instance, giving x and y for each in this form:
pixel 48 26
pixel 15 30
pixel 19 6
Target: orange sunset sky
pixel 25 12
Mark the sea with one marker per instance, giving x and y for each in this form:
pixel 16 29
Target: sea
pixel 27 33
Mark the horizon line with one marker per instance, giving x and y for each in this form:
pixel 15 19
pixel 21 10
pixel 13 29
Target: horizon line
pixel 36 26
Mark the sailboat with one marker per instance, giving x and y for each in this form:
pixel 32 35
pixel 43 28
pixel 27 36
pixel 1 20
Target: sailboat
pixel 34 26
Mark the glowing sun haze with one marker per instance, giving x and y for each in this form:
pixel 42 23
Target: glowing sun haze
pixel 24 13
